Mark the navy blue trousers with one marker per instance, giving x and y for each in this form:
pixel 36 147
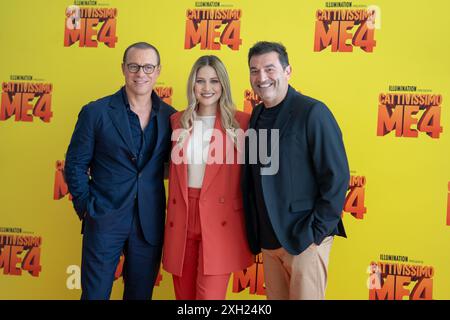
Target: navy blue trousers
pixel 100 257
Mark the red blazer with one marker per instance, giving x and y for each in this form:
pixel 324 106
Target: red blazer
pixel 225 246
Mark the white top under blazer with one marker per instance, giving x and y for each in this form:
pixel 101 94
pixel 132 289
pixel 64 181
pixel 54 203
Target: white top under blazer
pixel 197 149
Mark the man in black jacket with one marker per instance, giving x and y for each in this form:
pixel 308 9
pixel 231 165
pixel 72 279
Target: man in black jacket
pixel 292 212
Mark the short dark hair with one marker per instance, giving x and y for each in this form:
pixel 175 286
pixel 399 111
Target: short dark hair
pixel 263 47
pixel 141 45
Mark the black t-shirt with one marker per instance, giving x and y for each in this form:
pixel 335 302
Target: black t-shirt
pixel 266 234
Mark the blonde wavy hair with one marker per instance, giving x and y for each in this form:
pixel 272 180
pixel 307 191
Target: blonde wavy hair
pixel 227 107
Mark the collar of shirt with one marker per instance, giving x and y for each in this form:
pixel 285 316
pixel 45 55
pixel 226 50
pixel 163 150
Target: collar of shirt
pixel 156 102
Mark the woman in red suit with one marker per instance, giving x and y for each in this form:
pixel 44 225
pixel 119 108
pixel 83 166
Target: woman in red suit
pixel 205 239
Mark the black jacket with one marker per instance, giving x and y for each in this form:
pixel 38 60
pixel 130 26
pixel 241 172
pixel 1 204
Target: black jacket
pixel 305 197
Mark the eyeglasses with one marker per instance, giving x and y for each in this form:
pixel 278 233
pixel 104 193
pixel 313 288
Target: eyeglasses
pixel 147 68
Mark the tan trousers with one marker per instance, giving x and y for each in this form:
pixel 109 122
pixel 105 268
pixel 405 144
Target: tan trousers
pixel 300 277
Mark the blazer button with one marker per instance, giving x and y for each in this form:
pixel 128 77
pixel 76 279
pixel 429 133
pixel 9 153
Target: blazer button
pixel 171 224
pixel 222 200
pixel 224 223
pixel 174 201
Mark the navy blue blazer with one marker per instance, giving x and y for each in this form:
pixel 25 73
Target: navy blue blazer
pixel 305 198
pixel 101 169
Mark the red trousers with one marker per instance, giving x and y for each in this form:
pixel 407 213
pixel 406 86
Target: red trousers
pixel 194 284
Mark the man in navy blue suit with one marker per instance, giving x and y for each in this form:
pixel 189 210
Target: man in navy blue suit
pixel 115 172
pixel 293 203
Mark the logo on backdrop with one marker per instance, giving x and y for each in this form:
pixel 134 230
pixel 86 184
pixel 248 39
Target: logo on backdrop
pixel 60 189
pixel 213 28
pixel 409 112
pixel 343 29
pixel 397 277
pixel 90 25
pixel 251 278
pixel 165 93
pixel 19 251
pixel 354 201
pixel 26 99
pixel 251 100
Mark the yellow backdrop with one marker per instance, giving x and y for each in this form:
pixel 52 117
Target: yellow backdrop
pixel 376 78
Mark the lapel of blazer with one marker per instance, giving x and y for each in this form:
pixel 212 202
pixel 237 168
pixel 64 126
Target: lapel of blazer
pixel 255 114
pixel 119 117
pixel 221 145
pixel 161 127
pixel 161 122
pixel 252 124
pixel 285 112
pixel 181 151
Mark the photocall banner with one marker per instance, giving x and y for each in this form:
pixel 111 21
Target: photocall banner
pixel 381 67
